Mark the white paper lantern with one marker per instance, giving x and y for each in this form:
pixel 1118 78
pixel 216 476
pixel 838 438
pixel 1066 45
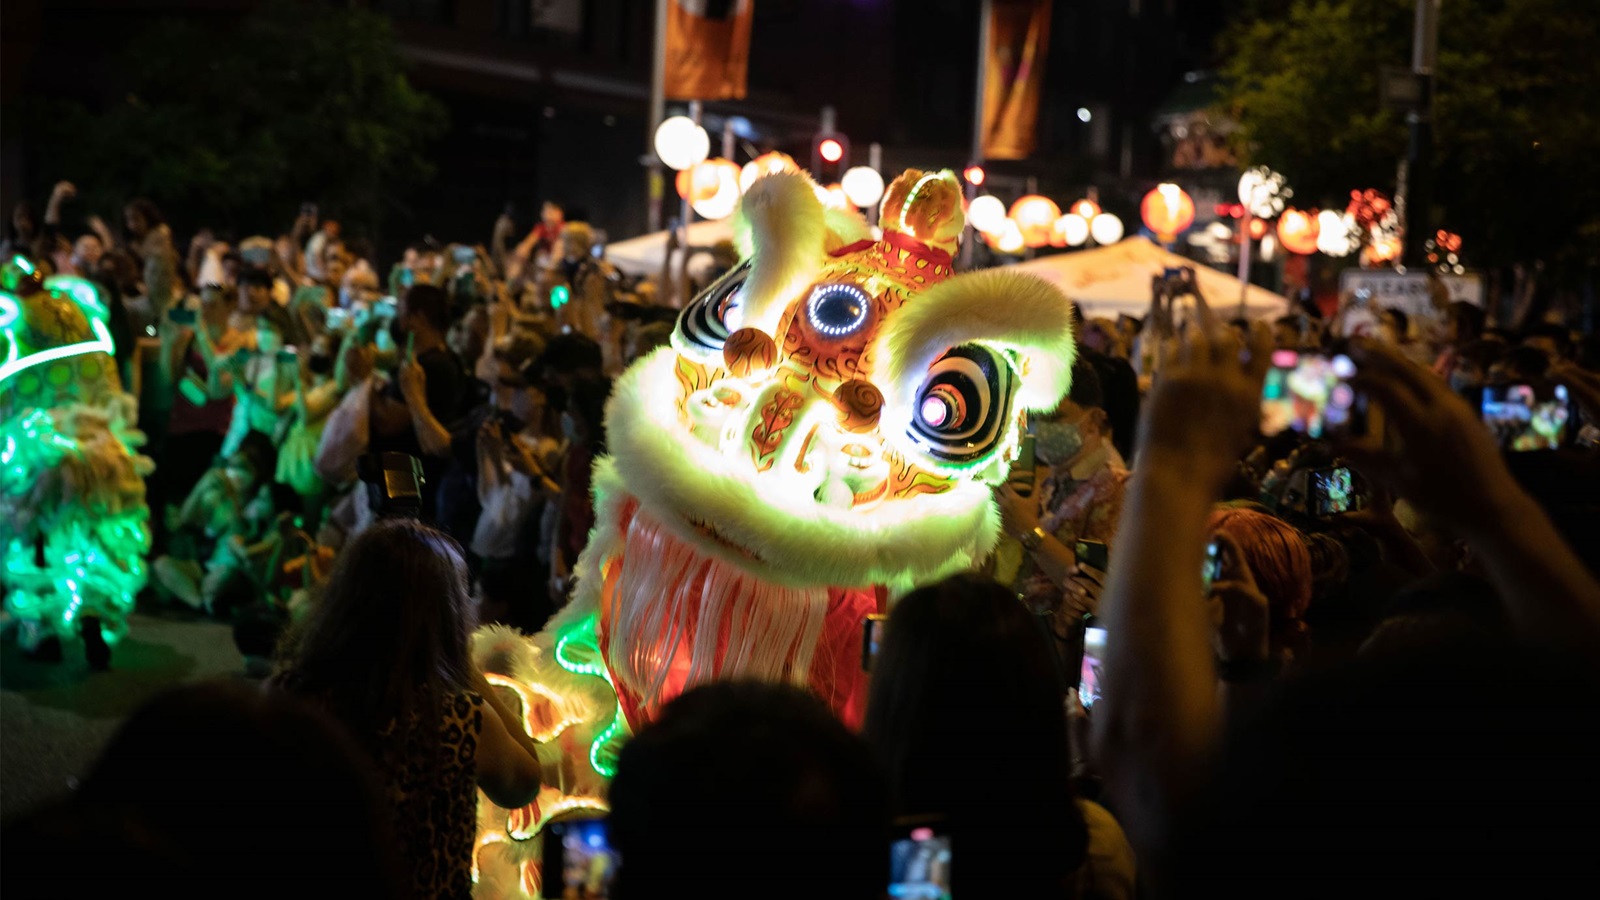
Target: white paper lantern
pixel 681 143
pixel 1264 192
pixel 987 214
pixel 1010 238
pixel 863 185
pixel 721 204
pixel 1074 228
pixel 1337 235
pixel 1105 228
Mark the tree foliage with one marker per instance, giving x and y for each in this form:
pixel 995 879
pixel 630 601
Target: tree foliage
pixel 234 123
pixel 1517 114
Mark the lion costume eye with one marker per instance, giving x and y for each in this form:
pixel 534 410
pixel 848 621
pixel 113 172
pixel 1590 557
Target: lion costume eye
pixel 838 309
pixel 964 405
pixel 704 325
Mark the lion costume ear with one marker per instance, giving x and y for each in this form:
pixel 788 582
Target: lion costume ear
pixel 926 206
pixel 781 227
pixel 1022 314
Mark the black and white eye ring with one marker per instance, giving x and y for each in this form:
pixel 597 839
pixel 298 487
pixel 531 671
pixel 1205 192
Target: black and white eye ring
pixel 964 406
pixel 705 324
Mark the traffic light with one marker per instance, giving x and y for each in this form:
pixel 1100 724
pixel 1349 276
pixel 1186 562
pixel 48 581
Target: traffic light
pixel 830 156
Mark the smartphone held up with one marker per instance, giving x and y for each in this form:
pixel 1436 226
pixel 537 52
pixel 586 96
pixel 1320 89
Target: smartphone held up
pixel 1311 393
pixel 1524 417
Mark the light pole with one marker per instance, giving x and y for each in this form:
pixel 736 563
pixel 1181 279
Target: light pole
pixel 1414 206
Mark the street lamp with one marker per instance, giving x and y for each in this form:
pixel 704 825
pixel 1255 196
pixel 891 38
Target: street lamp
pixel 681 142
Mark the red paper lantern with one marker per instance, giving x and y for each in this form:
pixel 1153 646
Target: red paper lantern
pixel 1298 230
pixel 1085 208
pixel 1258 229
pixel 1167 210
pixel 1035 215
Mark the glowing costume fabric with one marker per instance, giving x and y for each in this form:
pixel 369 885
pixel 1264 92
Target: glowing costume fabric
pixel 821 436
pixel 73 521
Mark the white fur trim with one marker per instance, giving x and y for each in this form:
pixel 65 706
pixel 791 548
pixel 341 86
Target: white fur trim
pixel 787 236
pixel 1010 310
pixel 798 542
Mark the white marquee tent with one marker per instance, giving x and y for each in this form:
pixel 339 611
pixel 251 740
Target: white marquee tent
pixel 644 255
pixel 1114 280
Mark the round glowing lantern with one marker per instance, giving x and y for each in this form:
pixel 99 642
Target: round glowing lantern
pixel 987 214
pixel 1071 230
pixel 1167 210
pixel 769 163
pixel 1264 192
pixel 1105 228
pixel 720 201
pixel 833 196
pixel 863 185
pixel 1297 231
pixel 1336 233
pixel 1258 229
pixel 1034 216
pixel 1085 209
pixel 1009 238
pixel 703 180
pixel 681 143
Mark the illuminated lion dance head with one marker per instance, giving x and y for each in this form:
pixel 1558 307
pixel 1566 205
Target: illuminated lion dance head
pixel 821 436
pixel 73 521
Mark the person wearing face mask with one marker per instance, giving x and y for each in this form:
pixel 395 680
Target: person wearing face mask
pixel 1079 481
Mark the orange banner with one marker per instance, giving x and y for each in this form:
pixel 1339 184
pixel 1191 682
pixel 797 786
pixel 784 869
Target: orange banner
pixel 708 48
pixel 1019 41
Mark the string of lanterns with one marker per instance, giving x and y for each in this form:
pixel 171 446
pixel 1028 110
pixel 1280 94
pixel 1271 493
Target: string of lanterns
pixel 1368 224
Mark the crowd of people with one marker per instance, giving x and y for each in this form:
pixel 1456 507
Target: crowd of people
pixel 1200 660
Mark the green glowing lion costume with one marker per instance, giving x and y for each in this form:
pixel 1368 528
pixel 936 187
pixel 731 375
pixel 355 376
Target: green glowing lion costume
pixel 73 521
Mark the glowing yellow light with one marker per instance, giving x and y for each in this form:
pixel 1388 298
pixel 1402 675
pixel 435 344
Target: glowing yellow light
pixel 911 196
pixel 525 694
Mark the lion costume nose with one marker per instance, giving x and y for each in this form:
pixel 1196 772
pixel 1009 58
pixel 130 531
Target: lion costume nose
pixel 859 403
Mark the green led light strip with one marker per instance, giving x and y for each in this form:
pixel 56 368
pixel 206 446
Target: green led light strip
pixel 586 631
pixel 101 344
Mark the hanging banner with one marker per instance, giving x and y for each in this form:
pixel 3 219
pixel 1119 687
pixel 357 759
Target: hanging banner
pixel 708 49
pixel 1019 41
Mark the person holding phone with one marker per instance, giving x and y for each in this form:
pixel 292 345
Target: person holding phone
pixel 1080 480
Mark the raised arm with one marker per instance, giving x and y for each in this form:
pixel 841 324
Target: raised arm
pixel 431 433
pixel 1452 470
pixel 1158 726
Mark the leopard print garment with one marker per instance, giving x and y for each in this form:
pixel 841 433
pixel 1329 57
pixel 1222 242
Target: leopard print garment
pixel 433 785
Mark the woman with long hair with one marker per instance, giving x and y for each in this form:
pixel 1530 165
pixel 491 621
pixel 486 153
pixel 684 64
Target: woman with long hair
pixel 385 650
pixel 967 713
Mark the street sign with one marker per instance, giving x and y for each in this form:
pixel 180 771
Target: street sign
pixel 1399 88
pixel 1409 292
